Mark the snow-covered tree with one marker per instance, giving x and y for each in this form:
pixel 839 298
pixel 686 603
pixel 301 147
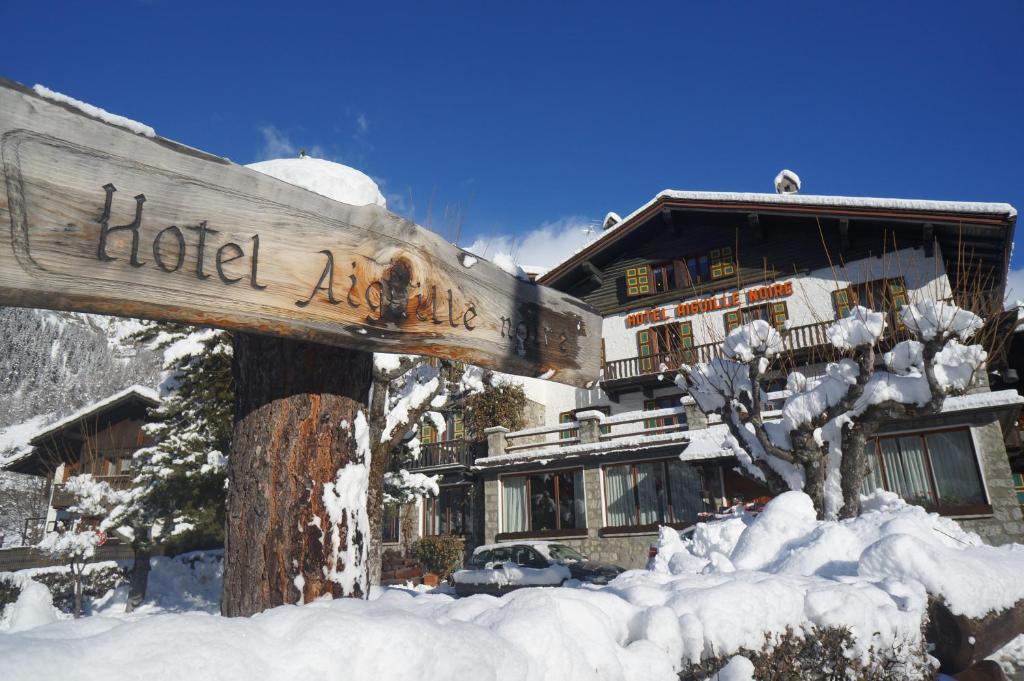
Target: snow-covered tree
pixel 74 546
pixel 178 484
pixel 407 389
pixel 817 442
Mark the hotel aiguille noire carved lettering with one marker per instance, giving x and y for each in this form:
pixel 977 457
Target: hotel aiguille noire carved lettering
pixel 725 301
pixel 105 220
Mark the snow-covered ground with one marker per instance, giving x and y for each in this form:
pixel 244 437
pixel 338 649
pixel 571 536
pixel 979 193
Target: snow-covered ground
pixel 709 595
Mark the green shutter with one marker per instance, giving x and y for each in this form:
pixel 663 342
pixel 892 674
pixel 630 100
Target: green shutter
pixel 645 348
pixel 686 342
pixel 722 263
pixel 458 426
pixel 780 313
pixel 650 405
pixel 638 281
pixel 841 301
pixel 732 320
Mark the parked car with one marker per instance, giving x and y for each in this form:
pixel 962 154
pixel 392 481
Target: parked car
pixel 497 569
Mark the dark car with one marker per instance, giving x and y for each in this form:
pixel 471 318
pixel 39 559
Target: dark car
pixel 497 569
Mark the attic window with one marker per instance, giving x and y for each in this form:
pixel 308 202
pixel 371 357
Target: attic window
pixel 722 263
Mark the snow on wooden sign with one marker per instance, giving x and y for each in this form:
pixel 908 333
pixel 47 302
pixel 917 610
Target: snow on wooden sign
pixel 109 219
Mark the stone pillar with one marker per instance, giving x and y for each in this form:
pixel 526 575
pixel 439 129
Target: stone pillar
pixel 1006 525
pixel 496 440
pixel 491 492
pixel 695 418
pixel 590 426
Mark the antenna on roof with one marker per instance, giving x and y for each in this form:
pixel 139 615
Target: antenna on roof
pixel 787 182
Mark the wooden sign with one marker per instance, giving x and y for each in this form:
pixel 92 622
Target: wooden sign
pixel 107 220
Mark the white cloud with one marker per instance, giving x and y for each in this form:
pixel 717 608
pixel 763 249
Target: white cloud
pixel 1014 286
pixel 544 247
pixel 362 122
pixel 277 144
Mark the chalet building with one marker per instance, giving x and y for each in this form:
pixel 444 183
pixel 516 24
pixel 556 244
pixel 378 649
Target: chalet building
pixel 609 465
pixel 98 439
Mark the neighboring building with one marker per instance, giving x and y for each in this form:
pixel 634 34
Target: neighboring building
pixel 99 439
pixel 613 463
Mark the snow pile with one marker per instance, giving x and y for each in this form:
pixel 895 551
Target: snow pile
pixel 530 634
pixel 345 502
pixel 862 327
pixel 507 264
pixel 333 180
pixel 510 574
pixel 34 608
pixel 782 568
pixel 403 486
pixel 758 338
pixel 95 111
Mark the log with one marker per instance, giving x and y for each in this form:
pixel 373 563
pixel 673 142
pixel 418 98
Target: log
pixel 101 219
pixel 958 642
pixel 298 407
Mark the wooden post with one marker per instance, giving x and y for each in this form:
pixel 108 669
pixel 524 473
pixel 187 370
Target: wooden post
pixel 298 406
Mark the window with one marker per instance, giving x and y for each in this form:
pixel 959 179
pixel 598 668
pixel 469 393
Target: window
pixel 638 281
pixel 775 314
pixel 662 343
pixel 722 263
pixel 657 492
pixel 881 295
pixel 936 470
pixel 698 269
pixel 446 513
pixel 664 277
pixel 390 523
pixel 667 402
pixel 543 502
pixel 455 428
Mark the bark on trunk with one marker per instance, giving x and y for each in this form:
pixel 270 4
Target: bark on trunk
pixel 139 578
pixel 378 466
pixel 296 406
pixel 853 468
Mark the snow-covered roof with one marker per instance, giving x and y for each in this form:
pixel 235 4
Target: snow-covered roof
pixel 327 178
pixel 146 394
pixel 821 201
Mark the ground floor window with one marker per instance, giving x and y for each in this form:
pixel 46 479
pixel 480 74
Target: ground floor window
pixel 543 501
pixel 657 492
pixel 390 523
pixel 447 512
pixel 937 470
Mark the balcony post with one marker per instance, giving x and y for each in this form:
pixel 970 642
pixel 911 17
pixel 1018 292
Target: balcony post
pixel 590 426
pixel 496 440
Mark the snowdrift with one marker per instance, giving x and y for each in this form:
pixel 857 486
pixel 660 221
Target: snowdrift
pixel 705 597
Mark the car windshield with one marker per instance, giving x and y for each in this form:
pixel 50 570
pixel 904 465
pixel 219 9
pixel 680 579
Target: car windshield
pixel 565 554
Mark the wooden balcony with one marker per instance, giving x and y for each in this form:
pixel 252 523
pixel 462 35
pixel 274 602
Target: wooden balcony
pixel 622 375
pixel 445 454
pixel 62 498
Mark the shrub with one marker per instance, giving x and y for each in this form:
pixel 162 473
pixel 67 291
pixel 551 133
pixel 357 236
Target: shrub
pixel 823 654
pixel 440 554
pixel 498 405
pixel 61 583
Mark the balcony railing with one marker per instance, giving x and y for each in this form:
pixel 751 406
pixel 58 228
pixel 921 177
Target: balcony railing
pixel 62 498
pixel 797 338
pixel 445 453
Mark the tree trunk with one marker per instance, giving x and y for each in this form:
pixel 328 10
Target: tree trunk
pixel 378 466
pixel 139 578
pixel 300 413
pixel 853 469
pixel 77 571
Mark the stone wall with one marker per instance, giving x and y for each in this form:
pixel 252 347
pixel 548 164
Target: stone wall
pixel 1006 524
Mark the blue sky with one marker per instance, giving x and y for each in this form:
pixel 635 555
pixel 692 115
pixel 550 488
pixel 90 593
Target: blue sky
pixel 503 119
